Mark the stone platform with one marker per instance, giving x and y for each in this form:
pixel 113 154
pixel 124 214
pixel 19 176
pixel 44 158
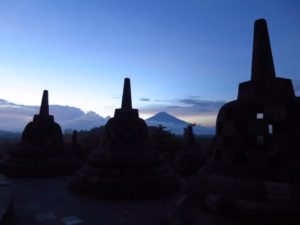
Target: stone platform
pixel 45 201
pixel 6 201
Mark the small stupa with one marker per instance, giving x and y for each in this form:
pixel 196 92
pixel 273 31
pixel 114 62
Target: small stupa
pixel 191 157
pixel 125 166
pixel 42 151
pixel 254 177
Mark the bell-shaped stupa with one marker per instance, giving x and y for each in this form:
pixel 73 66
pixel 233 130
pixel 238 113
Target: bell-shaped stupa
pixel 254 177
pixel 42 151
pixel 125 166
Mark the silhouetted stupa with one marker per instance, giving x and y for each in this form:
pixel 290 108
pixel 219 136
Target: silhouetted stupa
pixel 42 151
pixel 125 166
pixel 255 174
pixel 191 157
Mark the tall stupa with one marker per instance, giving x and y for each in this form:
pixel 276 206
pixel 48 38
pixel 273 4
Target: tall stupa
pixel 125 166
pixel 254 177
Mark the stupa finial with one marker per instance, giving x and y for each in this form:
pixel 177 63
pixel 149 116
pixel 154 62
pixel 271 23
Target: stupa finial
pixel 126 98
pixel 262 60
pixel 44 110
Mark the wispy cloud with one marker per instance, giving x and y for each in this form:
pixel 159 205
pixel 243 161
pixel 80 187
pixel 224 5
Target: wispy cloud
pixel 164 100
pixel 198 105
pixel 14 117
pixel 192 105
pixel 145 99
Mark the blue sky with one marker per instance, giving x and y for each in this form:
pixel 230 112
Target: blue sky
pixel 183 57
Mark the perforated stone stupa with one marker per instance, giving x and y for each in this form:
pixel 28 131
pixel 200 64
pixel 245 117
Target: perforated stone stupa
pixel 42 151
pixel 125 166
pixel 254 177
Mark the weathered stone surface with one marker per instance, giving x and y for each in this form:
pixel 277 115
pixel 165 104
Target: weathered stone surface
pixel 125 166
pixel 42 151
pixel 254 177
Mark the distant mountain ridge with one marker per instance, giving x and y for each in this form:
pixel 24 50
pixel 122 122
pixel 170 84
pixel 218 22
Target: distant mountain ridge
pixel 9 135
pixel 176 125
pixel 14 117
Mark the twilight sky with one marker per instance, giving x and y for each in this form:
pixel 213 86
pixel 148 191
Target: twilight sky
pixel 183 57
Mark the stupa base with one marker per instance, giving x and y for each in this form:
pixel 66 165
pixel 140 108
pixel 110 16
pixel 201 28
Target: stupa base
pixel 36 162
pixel 239 197
pixel 125 175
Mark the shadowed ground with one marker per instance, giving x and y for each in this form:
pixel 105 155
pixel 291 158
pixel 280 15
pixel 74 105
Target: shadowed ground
pixel 6 201
pixel 48 201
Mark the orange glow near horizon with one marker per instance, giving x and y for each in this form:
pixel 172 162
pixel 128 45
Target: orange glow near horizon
pixel 146 115
pixel 206 120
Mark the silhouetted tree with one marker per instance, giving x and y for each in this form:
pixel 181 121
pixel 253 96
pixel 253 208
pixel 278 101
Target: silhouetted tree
pixel 88 140
pixel 165 142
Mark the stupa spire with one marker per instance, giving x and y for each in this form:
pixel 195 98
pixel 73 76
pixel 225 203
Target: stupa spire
pixel 125 147
pixel 262 60
pixel 44 110
pixel 126 98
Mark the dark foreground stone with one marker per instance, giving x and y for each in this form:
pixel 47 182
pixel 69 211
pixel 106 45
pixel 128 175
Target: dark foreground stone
pixel 6 201
pixel 40 201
